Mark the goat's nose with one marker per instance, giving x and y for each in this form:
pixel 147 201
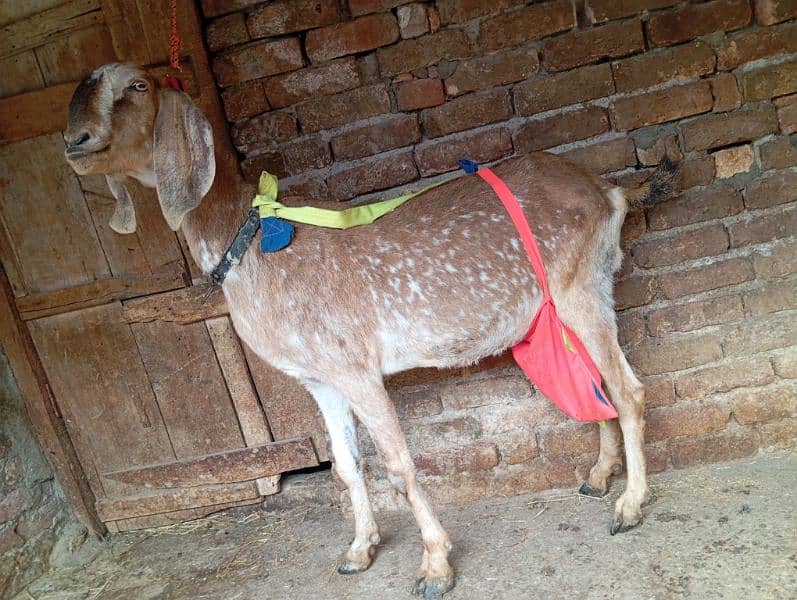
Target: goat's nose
pixel 79 139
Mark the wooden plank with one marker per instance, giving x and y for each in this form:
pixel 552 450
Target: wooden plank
pixel 224 467
pixel 35 306
pixel 73 56
pixel 36 113
pixel 152 502
pixel 47 425
pixel 140 28
pixel 170 518
pixel 42 27
pixel 20 74
pixel 180 306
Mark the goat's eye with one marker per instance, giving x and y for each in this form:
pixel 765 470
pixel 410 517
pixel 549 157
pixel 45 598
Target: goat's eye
pixel 139 86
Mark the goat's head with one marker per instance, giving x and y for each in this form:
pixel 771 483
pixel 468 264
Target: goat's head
pixel 122 125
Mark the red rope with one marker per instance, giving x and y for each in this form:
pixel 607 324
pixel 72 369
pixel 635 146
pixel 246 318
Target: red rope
pixel 175 42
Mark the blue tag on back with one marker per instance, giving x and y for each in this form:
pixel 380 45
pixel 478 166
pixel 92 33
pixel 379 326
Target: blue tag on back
pixel 276 234
pixel 468 166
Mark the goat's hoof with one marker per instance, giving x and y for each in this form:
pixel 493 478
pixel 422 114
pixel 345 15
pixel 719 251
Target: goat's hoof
pixel 349 567
pixel 618 526
pixel 587 490
pixel 433 588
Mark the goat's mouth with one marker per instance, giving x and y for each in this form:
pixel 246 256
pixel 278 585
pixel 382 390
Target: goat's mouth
pixel 73 153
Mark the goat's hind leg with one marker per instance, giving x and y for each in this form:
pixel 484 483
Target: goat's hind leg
pixel 343 438
pixel 609 461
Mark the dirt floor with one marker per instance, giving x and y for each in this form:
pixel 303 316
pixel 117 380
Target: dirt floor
pixel 721 531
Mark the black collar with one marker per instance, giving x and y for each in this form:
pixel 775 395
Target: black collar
pixel 236 249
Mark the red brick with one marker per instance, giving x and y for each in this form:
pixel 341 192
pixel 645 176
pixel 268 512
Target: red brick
pixel 305 155
pixel 763 228
pixel 360 35
pixel 483 147
pixel 653 68
pixel 492 70
pixel 695 315
pixel 523 417
pixel 779 153
pixel 714 131
pixel 757 405
pixel 419 93
pixel 659 391
pixel 288 16
pixel 480 456
pixel 769 12
pixel 695 20
pixel 412 20
pixel 331 78
pixel 605 157
pixel 214 8
pixel 785 365
pixel 776 260
pixel 561 89
pixel 264 130
pixel 681 247
pixel 416 404
pixel 467 112
pixel 257 60
pixel 778 188
pixel 661 106
pixel 244 100
pixel 272 162
pixel 729 162
pixel 749 371
pixel 451 432
pixel 693 173
pixel 308 187
pixel 333 111
pixel 591 45
pixel 695 206
pixel 663 355
pixel 459 11
pixel 392 132
pixel 633 227
pixel 630 328
pixel 684 420
pixel 409 55
pixel 759 334
pixel 772 297
pixel 485 392
pixel 226 31
pixel 570 439
pixel 755 44
pixel 634 291
pixel 527 24
pixel 518 448
pixel 702 279
pixel 599 11
pixel 787 115
pixel 518 479
pixel 561 129
pixel 778 434
pixel 726 92
pixel 375 175
pixel 364 7
pixel 719 447
pixel 769 82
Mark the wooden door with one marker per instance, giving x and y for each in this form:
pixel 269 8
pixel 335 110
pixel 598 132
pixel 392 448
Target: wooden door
pixel 155 411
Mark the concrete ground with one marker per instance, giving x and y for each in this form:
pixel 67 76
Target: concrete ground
pixel 719 531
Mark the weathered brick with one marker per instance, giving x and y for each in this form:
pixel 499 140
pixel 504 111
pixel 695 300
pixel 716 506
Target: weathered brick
pixel 518 448
pixel 264 131
pixel 776 260
pixel 333 111
pixel 375 175
pixel 412 20
pixel 441 156
pixel 769 82
pixel 305 155
pixel 772 297
pixel 659 391
pixel 763 228
pixel 684 420
pixel 408 55
pixel 754 44
pixel 785 365
pixel 732 161
pixel 653 68
pixel 591 45
pixel 779 153
pixel 518 479
pixel 634 291
pixel 599 11
pixel 758 405
pixel 449 432
pixel 214 8
pixel 364 7
pixel 492 70
pixel 714 131
pixel 510 418
pixel 769 12
pixel 419 93
pixel 256 60
pixel 702 279
pixel 527 24
pixel 570 439
pixel 467 112
pixel 304 188
pixel 561 129
pixel 778 188
pixel 695 315
pixel 633 227
pixel 483 392
pixel 479 456
pixel 695 20
pixel 652 154
pixel 272 162
pixel 695 172
pixel 747 372
pixel 360 35
pixel 392 132
pixel 288 16
pixel 655 356
pixel 561 89
pixel 695 206
pixel 459 11
pixel 630 328
pixel 661 106
pixel 726 93
pixel 416 404
pixel 331 78
pixel 759 334
pixel 226 31
pixel 787 114
pixel 689 245
pixel 605 157
pixel 778 434
pixel 718 447
pixel 244 100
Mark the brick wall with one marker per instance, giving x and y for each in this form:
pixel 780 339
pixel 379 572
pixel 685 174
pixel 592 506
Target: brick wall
pixel 354 99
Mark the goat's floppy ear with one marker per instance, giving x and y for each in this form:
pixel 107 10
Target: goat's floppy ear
pixel 182 155
pixel 123 219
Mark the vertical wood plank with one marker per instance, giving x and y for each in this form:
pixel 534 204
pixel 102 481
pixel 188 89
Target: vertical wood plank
pixel 20 74
pixel 73 56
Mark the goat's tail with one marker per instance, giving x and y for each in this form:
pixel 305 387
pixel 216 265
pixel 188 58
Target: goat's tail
pixel 659 186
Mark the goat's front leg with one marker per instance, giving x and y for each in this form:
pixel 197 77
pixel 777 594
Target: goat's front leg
pixel 373 407
pixel 343 438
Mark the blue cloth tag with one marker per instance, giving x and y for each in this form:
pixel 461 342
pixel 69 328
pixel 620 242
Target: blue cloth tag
pixel 468 166
pixel 276 234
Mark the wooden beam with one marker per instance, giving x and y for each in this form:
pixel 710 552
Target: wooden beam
pixel 177 516
pixel 35 113
pixel 231 466
pixel 183 306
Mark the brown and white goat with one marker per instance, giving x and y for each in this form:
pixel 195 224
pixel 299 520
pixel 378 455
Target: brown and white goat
pixel 443 281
